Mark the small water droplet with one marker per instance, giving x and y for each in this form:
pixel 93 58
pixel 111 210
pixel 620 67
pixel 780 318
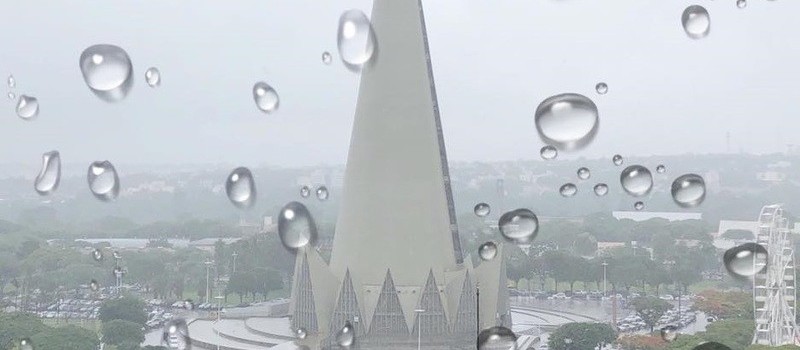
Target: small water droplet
pixel 689 190
pixel 519 225
pixel 27 107
pixel 107 71
pixel 669 333
pixel 600 189
pixel 601 88
pixel 97 255
pixel 12 83
pixel 497 338
pixel 266 97
pixel 584 173
pixel 482 209
pixel 326 57
pixel 116 255
pixel 568 189
pixel 661 168
pixel 305 191
pixel 617 159
pixel 50 175
pixel 745 260
pixel 696 21
pixel 25 344
pixel 638 205
pixel 241 188
pixel 152 76
pixel 175 335
pixel 345 337
pixel 355 38
pixel 548 152
pixel 188 304
pixel 322 193
pixel 636 180
pixel 568 121
pixel 103 180
pixel 487 251
pixel 296 227
pixel 94 286
pixel 710 345
pixel 11 96
pixel 741 3
pixel 300 333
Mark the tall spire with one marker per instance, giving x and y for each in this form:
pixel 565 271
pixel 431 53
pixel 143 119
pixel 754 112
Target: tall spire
pixel 397 210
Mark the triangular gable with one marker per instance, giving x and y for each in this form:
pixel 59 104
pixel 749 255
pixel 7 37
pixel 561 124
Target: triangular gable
pixel 433 319
pixel 304 313
pixel 388 318
pixel 466 317
pixel 346 310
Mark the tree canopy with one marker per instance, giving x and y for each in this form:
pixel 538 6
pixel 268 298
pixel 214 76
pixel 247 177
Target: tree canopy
pixel 581 335
pixel 127 309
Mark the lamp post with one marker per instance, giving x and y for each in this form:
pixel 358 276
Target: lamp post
pixel 419 327
pixel 605 264
pixel 208 289
pixel 234 262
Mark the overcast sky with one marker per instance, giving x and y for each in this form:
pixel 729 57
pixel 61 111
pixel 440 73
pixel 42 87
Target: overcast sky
pixel 493 61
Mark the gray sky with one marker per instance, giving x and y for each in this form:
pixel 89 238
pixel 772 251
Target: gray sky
pixel 493 61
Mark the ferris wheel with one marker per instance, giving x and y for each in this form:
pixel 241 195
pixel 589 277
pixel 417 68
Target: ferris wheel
pixel 774 287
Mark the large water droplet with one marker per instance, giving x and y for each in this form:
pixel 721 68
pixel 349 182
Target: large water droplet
pixel 97 255
pixel 669 333
pixel 745 260
pixel 266 97
pixel 568 190
pixel 355 38
pixel 497 338
pixel 638 205
pixel 519 225
pixel 345 337
pixel 710 345
pixel 584 173
pixel 241 188
pixel 153 77
pixel 175 335
pixel 322 193
pixel 103 180
pixel 300 333
pixel 600 189
pixel 482 209
pixel 601 88
pixel 548 152
pixel 50 175
pixel 12 83
pixel 296 227
pixel 25 344
pixel 568 121
pixel 661 168
pixel 741 3
pixel 305 191
pixel 636 180
pixel 696 21
pixel 689 190
pixel 487 251
pixel 108 71
pixel 617 160
pixel 326 57
pixel 27 107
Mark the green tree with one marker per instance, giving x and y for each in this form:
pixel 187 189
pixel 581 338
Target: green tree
pixel 16 326
pixel 127 309
pixel 118 332
pixel 581 335
pixel 65 338
pixel 650 309
pixel 738 234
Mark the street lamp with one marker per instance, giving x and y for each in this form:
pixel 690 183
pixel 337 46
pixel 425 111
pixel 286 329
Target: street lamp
pixel 208 289
pixel 419 327
pixel 605 264
pixel 234 262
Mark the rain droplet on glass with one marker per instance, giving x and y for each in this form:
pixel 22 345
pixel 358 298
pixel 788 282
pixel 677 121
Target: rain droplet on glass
pixel 519 226
pixel 12 83
pixel 617 160
pixel 568 190
pixel 50 175
pixel 25 344
pixel 97 255
pixel 601 88
pixel 355 39
pixel 600 189
pixel 241 188
pixel 482 209
pixel 710 345
pixel 497 338
pixel 107 71
pixel 326 57
pixel 669 333
pixel 689 190
pixel 741 3
pixel 487 251
pixel 638 205
pixel 305 191
pixel 11 96
pixel 300 333
pixel 661 168
pixel 548 152
pixel 568 121
pixel 745 260
pixel 322 193
pixel 696 21
pixel 103 180
pixel 584 173
pixel 636 180
pixel 94 286
pixel 152 76
pixel 296 226
pixel 266 97
pixel 175 335
pixel 345 337
pixel 27 107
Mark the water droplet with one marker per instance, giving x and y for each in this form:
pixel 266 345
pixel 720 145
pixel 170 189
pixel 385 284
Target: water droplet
pixel 638 205
pixel 745 260
pixel 497 338
pixel 300 333
pixel 153 77
pixel 710 345
pixel 241 188
pixel 601 88
pixel 600 189
pixel 661 168
pixel 266 97
pixel 108 71
pixel 50 175
pixel 487 251
pixel 355 39
pixel 689 190
pixel 326 57
pixel 11 96
pixel 584 173
pixel 345 337
pixel 116 255
pixel 188 304
pixel 296 227
pixel 482 209
pixel 669 333
pixel 176 335
pixel 25 344
pixel 568 121
pixel 548 152
pixel 636 180
pixel 741 3
pixel 103 180
pixel 12 83
pixel 617 159
pixel 97 255
pixel 94 286
pixel 305 191
pixel 568 189
pixel 519 225
pixel 322 193
pixel 696 21
pixel 27 107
